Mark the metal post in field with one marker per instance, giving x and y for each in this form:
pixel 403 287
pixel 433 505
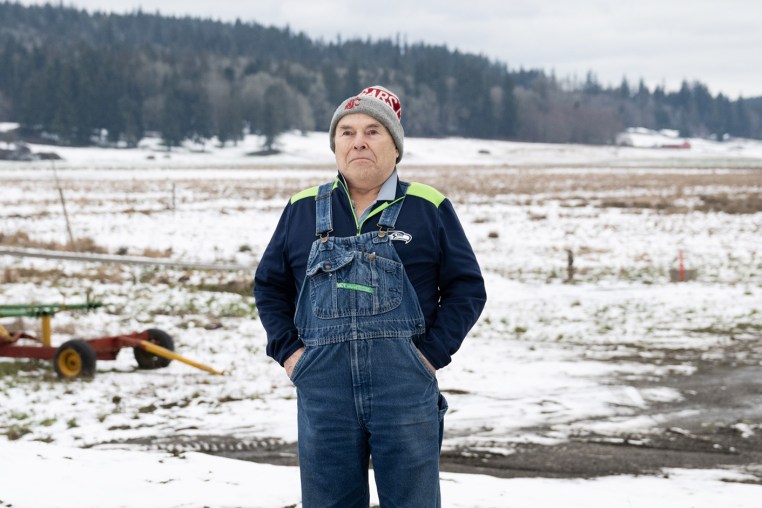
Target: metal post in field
pixel 569 265
pixel 63 204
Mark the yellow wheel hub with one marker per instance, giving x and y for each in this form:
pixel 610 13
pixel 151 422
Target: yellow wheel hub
pixel 70 363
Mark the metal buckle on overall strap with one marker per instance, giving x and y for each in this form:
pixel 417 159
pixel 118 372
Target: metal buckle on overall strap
pixel 324 236
pixel 383 231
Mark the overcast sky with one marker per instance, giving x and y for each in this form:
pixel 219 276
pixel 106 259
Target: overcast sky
pixel 662 41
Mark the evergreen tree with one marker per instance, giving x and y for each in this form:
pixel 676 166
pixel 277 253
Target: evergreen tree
pixel 274 119
pixel 508 117
pixel 624 89
pixel 352 80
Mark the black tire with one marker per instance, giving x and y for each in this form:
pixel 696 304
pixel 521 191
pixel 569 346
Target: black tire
pixel 148 360
pixel 74 358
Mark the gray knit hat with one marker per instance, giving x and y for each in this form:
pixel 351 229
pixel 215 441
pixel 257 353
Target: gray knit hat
pixel 381 104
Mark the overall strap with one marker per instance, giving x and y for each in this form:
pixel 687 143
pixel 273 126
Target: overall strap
pixel 389 215
pixel 323 211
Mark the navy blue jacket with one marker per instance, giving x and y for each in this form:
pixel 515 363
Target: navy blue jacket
pixel 438 261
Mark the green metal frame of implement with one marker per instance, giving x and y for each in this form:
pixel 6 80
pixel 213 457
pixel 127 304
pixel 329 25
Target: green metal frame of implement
pixel 153 348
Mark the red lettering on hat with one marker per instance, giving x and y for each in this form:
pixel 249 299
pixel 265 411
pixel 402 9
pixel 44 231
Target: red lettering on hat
pixel 386 97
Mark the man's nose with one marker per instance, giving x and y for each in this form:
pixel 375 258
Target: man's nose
pixel 360 142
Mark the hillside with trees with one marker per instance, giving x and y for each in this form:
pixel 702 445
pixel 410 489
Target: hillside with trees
pixel 73 77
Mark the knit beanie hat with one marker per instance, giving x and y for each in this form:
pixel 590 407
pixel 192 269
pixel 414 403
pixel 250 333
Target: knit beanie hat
pixel 381 104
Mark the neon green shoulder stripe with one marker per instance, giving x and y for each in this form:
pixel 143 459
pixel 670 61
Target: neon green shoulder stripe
pixel 426 192
pixel 309 193
pixel 306 193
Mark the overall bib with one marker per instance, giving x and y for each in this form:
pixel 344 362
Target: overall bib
pixel 363 388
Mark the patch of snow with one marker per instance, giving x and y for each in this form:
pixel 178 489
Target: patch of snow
pixel 125 479
pixel 8 126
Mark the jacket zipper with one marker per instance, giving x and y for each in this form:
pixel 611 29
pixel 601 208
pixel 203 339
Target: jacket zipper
pixel 372 213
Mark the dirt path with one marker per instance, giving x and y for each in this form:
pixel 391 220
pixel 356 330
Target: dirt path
pixel 717 423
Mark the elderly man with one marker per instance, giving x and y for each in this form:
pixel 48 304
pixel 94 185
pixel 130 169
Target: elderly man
pixel 367 287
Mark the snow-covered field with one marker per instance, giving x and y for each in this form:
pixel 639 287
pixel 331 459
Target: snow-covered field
pixel 551 359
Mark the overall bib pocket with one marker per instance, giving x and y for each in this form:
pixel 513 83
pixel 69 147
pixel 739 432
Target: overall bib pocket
pixel 356 284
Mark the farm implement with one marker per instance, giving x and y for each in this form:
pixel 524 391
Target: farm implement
pixel 153 348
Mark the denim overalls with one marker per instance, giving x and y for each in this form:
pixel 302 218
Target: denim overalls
pixel 363 388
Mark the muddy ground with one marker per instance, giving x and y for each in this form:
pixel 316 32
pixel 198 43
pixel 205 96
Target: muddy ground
pixel 701 431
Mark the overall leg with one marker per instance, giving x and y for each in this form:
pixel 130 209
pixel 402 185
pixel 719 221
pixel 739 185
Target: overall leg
pixel 405 427
pixel 333 448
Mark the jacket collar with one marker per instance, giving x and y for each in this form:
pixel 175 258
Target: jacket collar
pixel 389 189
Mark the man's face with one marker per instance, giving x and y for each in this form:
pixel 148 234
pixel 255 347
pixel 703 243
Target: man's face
pixel 365 151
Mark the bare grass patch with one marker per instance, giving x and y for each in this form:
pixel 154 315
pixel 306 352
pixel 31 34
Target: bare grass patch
pixel 23 240
pixel 739 204
pixel 578 185
pixel 16 275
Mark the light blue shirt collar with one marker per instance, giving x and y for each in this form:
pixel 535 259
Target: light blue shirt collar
pixel 389 189
pixel 387 192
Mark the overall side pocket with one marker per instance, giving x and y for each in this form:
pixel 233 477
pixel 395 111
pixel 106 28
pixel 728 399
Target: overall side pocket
pixel 420 361
pixel 300 364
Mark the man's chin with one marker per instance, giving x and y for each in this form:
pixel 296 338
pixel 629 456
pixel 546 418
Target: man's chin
pixel 361 166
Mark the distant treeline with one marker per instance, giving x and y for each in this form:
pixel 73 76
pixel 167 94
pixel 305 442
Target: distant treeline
pixel 71 75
